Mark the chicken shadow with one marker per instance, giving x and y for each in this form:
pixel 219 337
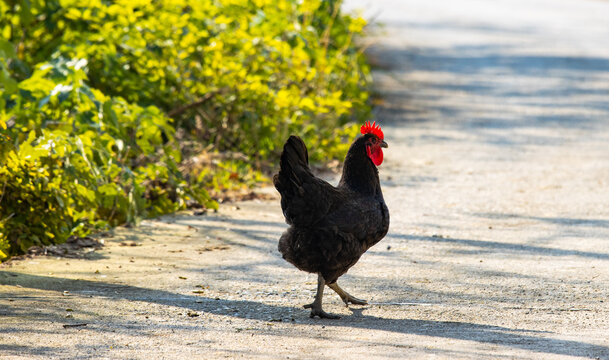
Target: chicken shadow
pixel 246 309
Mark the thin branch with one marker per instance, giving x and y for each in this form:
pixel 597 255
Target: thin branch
pixel 3 189
pixel 184 108
pixel 325 38
pixel 65 326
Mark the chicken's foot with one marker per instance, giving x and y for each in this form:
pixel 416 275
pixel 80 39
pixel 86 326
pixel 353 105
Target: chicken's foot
pixel 347 298
pixel 315 306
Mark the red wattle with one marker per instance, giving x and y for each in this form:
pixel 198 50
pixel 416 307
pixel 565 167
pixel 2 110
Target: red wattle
pixel 376 157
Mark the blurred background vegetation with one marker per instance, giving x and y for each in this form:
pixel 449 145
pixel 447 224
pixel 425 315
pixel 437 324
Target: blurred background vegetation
pixel 114 111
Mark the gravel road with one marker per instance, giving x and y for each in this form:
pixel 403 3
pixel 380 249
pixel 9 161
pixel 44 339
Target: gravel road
pixel 497 179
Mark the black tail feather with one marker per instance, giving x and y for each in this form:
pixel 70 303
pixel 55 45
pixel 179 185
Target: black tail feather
pixel 294 152
pixel 294 160
pixel 304 197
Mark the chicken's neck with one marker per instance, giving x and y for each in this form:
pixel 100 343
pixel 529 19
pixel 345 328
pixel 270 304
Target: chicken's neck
pixel 359 173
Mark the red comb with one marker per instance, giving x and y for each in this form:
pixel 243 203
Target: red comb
pixel 372 129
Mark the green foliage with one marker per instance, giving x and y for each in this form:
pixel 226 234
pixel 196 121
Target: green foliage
pixel 80 167
pixel 100 100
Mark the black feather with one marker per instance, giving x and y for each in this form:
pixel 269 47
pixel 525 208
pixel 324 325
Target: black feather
pixel 331 227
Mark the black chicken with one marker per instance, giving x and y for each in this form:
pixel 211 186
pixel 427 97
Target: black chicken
pixel 331 227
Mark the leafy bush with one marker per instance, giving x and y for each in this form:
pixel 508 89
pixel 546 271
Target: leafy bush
pixel 101 100
pixel 81 167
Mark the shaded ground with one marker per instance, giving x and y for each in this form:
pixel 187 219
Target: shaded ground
pixel 497 179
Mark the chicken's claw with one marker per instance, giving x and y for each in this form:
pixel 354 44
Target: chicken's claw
pixel 315 306
pixel 316 310
pixel 345 296
pixel 355 301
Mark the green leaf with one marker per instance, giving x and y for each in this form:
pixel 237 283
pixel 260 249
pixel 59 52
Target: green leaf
pixel 7 49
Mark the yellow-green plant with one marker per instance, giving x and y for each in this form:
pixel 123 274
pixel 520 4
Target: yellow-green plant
pixel 109 94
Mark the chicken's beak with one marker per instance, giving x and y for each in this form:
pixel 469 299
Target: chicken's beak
pixel 384 144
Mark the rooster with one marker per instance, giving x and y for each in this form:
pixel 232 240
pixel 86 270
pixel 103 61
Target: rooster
pixel 331 227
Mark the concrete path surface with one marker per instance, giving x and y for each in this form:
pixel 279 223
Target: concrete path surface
pixel 497 180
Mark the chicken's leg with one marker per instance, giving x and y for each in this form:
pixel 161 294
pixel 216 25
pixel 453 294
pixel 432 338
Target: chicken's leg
pixel 347 298
pixel 315 307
